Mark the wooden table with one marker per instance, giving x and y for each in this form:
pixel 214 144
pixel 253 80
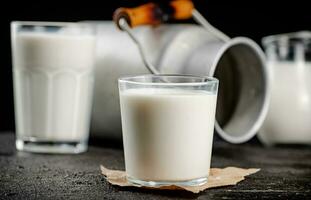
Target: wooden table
pixel 285 173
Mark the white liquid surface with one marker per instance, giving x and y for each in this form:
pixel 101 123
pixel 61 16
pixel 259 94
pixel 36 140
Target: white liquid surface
pixel 289 115
pixel 167 133
pixel 53 83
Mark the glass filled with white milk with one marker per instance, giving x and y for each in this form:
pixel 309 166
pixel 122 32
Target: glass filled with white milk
pixel 168 125
pixel 53 66
pixel 289 116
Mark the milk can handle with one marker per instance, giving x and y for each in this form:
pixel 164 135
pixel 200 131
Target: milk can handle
pixel 155 14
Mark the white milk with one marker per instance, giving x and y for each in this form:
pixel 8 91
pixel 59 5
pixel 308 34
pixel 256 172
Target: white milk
pixel 53 83
pixel 167 133
pixel 289 115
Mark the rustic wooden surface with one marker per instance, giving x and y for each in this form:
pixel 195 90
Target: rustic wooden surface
pixel 285 173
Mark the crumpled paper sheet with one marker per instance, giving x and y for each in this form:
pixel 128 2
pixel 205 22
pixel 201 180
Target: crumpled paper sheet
pixel 217 178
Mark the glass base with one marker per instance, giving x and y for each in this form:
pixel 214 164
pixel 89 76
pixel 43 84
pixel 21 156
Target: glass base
pixel 193 182
pixel 51 147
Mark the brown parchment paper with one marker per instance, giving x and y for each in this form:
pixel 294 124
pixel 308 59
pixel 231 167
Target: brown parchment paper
pixel 218 177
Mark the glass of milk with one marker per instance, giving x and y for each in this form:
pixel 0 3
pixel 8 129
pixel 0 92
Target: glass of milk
pixel 168 125
pixel 53 66
pixel 289 117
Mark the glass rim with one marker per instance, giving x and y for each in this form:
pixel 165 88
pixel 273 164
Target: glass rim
pixel 46 23
pixel 299 35
pixel 208 80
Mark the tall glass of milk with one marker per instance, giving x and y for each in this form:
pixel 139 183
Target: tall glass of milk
pixel 167 125
pixel 53 66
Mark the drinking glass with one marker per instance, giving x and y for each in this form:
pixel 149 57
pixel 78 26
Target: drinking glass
pixel 168 125
pixel 53 79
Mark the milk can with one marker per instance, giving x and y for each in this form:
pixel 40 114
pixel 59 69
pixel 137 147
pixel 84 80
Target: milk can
pixel 238 63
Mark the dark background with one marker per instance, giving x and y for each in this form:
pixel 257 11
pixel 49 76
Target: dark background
pixel 253 18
